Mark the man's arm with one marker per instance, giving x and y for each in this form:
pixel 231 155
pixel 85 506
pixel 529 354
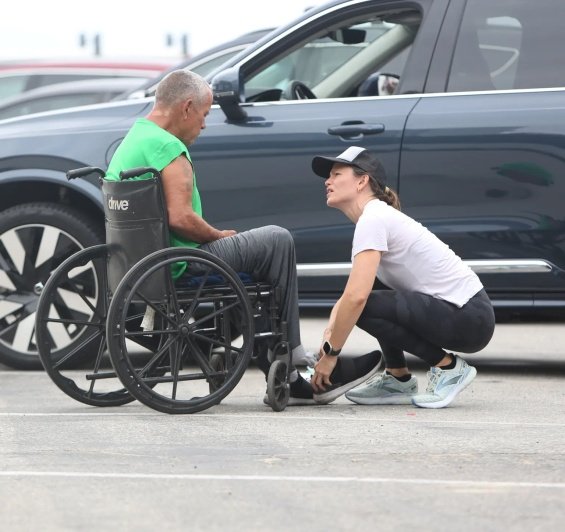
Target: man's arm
pixel 177 185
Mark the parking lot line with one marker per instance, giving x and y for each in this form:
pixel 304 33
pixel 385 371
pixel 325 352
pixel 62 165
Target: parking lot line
pixel 283 478
pixel 286 417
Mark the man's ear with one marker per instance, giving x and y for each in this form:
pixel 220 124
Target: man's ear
pixel 187 106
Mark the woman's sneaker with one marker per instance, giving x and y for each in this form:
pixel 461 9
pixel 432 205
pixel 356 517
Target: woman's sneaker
pixel 445 384
pixel 384 389
pixel 348 373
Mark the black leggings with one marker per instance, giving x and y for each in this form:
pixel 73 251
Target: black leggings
pixel 424 325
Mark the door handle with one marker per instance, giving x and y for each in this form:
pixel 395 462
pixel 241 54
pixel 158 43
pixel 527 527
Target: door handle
pixel 351 130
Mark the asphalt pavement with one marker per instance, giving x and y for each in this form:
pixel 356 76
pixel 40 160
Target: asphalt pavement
pixel 494 460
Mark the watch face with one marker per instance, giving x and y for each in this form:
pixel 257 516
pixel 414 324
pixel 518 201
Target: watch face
pixel 326 348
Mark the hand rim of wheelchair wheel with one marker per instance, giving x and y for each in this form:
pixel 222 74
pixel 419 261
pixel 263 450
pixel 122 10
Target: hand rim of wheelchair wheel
pixel 48 319
pixel 130 287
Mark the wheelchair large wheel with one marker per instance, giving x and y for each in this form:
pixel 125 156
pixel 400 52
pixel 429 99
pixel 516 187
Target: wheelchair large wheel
pixel 73 304
pixel 196 362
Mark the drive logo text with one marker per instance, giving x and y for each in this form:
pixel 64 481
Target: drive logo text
pixel 118 205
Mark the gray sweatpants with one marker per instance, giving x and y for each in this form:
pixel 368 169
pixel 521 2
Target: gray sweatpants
pixel 268 255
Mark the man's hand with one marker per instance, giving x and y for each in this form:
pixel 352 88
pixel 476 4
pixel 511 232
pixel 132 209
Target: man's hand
pixel 321 377
pixel 227 232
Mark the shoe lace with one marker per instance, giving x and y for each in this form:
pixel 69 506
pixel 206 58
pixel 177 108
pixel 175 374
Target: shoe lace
pixel 375 378
pixel 433 375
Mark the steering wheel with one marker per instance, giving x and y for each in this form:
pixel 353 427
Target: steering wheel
pixel 296 90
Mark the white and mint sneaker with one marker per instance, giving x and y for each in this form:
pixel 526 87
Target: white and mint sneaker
pixel 384 389
pixel 445 384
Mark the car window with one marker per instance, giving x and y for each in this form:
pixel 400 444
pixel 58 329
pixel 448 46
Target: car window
pixel 205 67
pixel 50 103
pixel 50 79
pixel 508 44
pixel 336 64
pixel 12 85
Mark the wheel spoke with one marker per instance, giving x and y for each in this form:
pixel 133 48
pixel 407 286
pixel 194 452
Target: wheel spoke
pixel 13 325
pixel 175 358
pixel 47 245
pixel 213 314
pixel 24 333
pixel 155 307
pixel 15 249
pixel 75 301
pixel 217 343
pixel 196 297
pixel 73 322
pixel 5 282
pixel 78 292
pixel 60 335
pixel 201 358
pixel 155 358
pixel 97 363
pixel 134 334
pixel 76 349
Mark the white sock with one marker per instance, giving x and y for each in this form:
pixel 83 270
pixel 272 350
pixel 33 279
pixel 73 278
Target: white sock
pixel 301 357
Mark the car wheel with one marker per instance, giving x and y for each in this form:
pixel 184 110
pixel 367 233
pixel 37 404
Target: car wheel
pixel 35 238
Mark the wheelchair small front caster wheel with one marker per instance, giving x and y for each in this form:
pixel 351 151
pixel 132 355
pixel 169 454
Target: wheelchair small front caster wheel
pixel 278 387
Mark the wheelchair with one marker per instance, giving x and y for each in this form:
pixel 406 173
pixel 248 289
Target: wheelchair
pixel 178 345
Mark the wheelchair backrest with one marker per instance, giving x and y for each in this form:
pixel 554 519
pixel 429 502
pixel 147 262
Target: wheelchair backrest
pixel 136 225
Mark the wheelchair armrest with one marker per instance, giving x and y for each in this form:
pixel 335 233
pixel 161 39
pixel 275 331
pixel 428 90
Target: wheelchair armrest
pixel 87 170
pixel 136 172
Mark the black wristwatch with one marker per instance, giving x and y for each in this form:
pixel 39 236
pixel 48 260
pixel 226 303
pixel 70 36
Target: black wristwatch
pixel 329 350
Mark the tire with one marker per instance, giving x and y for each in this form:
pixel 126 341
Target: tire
pixel 278 388
pixel 180 377
pixel 96 384
pixel 35 238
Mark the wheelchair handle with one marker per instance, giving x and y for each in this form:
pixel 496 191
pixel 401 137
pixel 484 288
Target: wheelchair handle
pixel 87 170
pixel 136 172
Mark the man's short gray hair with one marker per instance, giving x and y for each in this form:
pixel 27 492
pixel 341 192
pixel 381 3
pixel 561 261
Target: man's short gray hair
pixel 180 85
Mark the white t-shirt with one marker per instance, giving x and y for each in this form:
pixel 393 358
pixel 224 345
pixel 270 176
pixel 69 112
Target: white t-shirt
pixel 413 258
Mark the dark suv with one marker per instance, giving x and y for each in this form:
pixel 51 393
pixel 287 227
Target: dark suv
pixel 464 102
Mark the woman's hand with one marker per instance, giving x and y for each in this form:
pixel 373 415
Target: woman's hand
pixel 321 377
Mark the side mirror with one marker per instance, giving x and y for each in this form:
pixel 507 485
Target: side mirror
pixel 227 87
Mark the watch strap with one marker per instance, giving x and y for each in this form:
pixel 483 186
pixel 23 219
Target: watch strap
pixel 329 350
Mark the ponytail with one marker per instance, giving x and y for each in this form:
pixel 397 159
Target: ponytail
pixel 389 196
pixel 386 194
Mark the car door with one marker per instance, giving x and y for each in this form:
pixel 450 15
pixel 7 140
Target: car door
pixel 259 165
pixel 483 157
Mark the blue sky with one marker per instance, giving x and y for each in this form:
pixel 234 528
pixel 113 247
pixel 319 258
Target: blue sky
pixel 39 29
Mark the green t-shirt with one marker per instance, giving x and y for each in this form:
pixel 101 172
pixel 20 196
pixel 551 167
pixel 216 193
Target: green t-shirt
pixel 147 144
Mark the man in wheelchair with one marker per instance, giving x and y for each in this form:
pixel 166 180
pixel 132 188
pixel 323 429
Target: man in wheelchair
pixel 182 102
